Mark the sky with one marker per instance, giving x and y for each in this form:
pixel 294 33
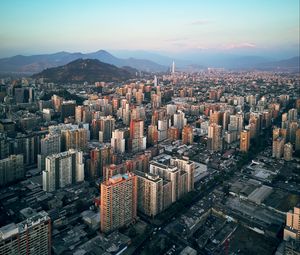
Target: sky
pixel 169 26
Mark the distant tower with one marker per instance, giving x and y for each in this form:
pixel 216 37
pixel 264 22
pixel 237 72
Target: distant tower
pixel 155 81
pixel 173 67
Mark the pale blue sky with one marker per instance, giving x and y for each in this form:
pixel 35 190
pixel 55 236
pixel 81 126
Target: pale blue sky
pixel 46 26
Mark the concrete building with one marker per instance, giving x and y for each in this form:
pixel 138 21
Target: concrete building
pixel 137 140
pixel 11 169
pixel 106 127
pixel 51 144
pixel 245 141
pixel 149 193
pixel 236 122
pixel 179 172
pixel 173 133
pixel 152 137
pixel 292 228
pixel 288 151
pixel 118 140
pixel 118 202
pixel 68 109
pixel 214 141
pixel 76 138
pixel 63 169
pixel 179 120
pixel 169 173
pixel 187 166
pixel 187 135
pixel 278 145
pixel 100 157
pixel 162 126
pixel 31 236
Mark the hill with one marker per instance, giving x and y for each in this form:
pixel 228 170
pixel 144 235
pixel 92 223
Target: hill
pixel 81 70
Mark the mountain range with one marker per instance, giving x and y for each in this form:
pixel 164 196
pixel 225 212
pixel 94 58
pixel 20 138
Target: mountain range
pixel 36 63
pixel 149 61
pixel 90 70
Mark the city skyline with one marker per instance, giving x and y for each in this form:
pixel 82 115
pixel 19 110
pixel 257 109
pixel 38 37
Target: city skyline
pixel 177 28
pixel 149 127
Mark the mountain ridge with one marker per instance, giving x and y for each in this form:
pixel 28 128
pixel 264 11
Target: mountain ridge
pixel 81 70
pixel 36 63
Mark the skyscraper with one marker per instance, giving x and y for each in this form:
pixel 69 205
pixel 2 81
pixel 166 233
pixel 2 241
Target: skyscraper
pixel 11 169
pixel 244 141
pixel 288 151
pixel 292 228
pixel 51 144
pixel 68 109
pixel 63 169
pixel 179 120
pixel 149 193
pixel 118 202
pixel 118 140
pixel 162 126
pixel 184 164
pixel 277 150
pixel 173 67
pixel 187 135
pixel 236 122
pixel 152 138
pixel 31 236
pixel 173 133
pixel 155 81
pixel 137 141
pixel 75 138
pixel 214 142
pixel 100 157
pixel 180 172
pixel 107 126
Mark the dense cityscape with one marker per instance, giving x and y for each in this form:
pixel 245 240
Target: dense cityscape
pixel 178 162
pixel 107 155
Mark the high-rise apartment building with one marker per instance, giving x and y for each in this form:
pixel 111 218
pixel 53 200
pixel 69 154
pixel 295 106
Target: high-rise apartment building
pixel 100 156
pixel 149 193
pixel 169 173
pixel 106 127
pixel 179 120
pixel 63 169
pixel 118 140
pixel 236 122
pixel 11 169
pixel 50 144
pixel 185 165
pixel 293 114
pixel 76 138
pixel 118 202
pixel 292 228
pixel 68 109
pixel 179 172
pixel 278 145
pixel 288 151
pixel 152 137
pixel 137 141
pixel 214 141
pixel 173 133
pixel 215 117
pixel 162 126
pixel 187 135
pixel 31 236
pixel 245 141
